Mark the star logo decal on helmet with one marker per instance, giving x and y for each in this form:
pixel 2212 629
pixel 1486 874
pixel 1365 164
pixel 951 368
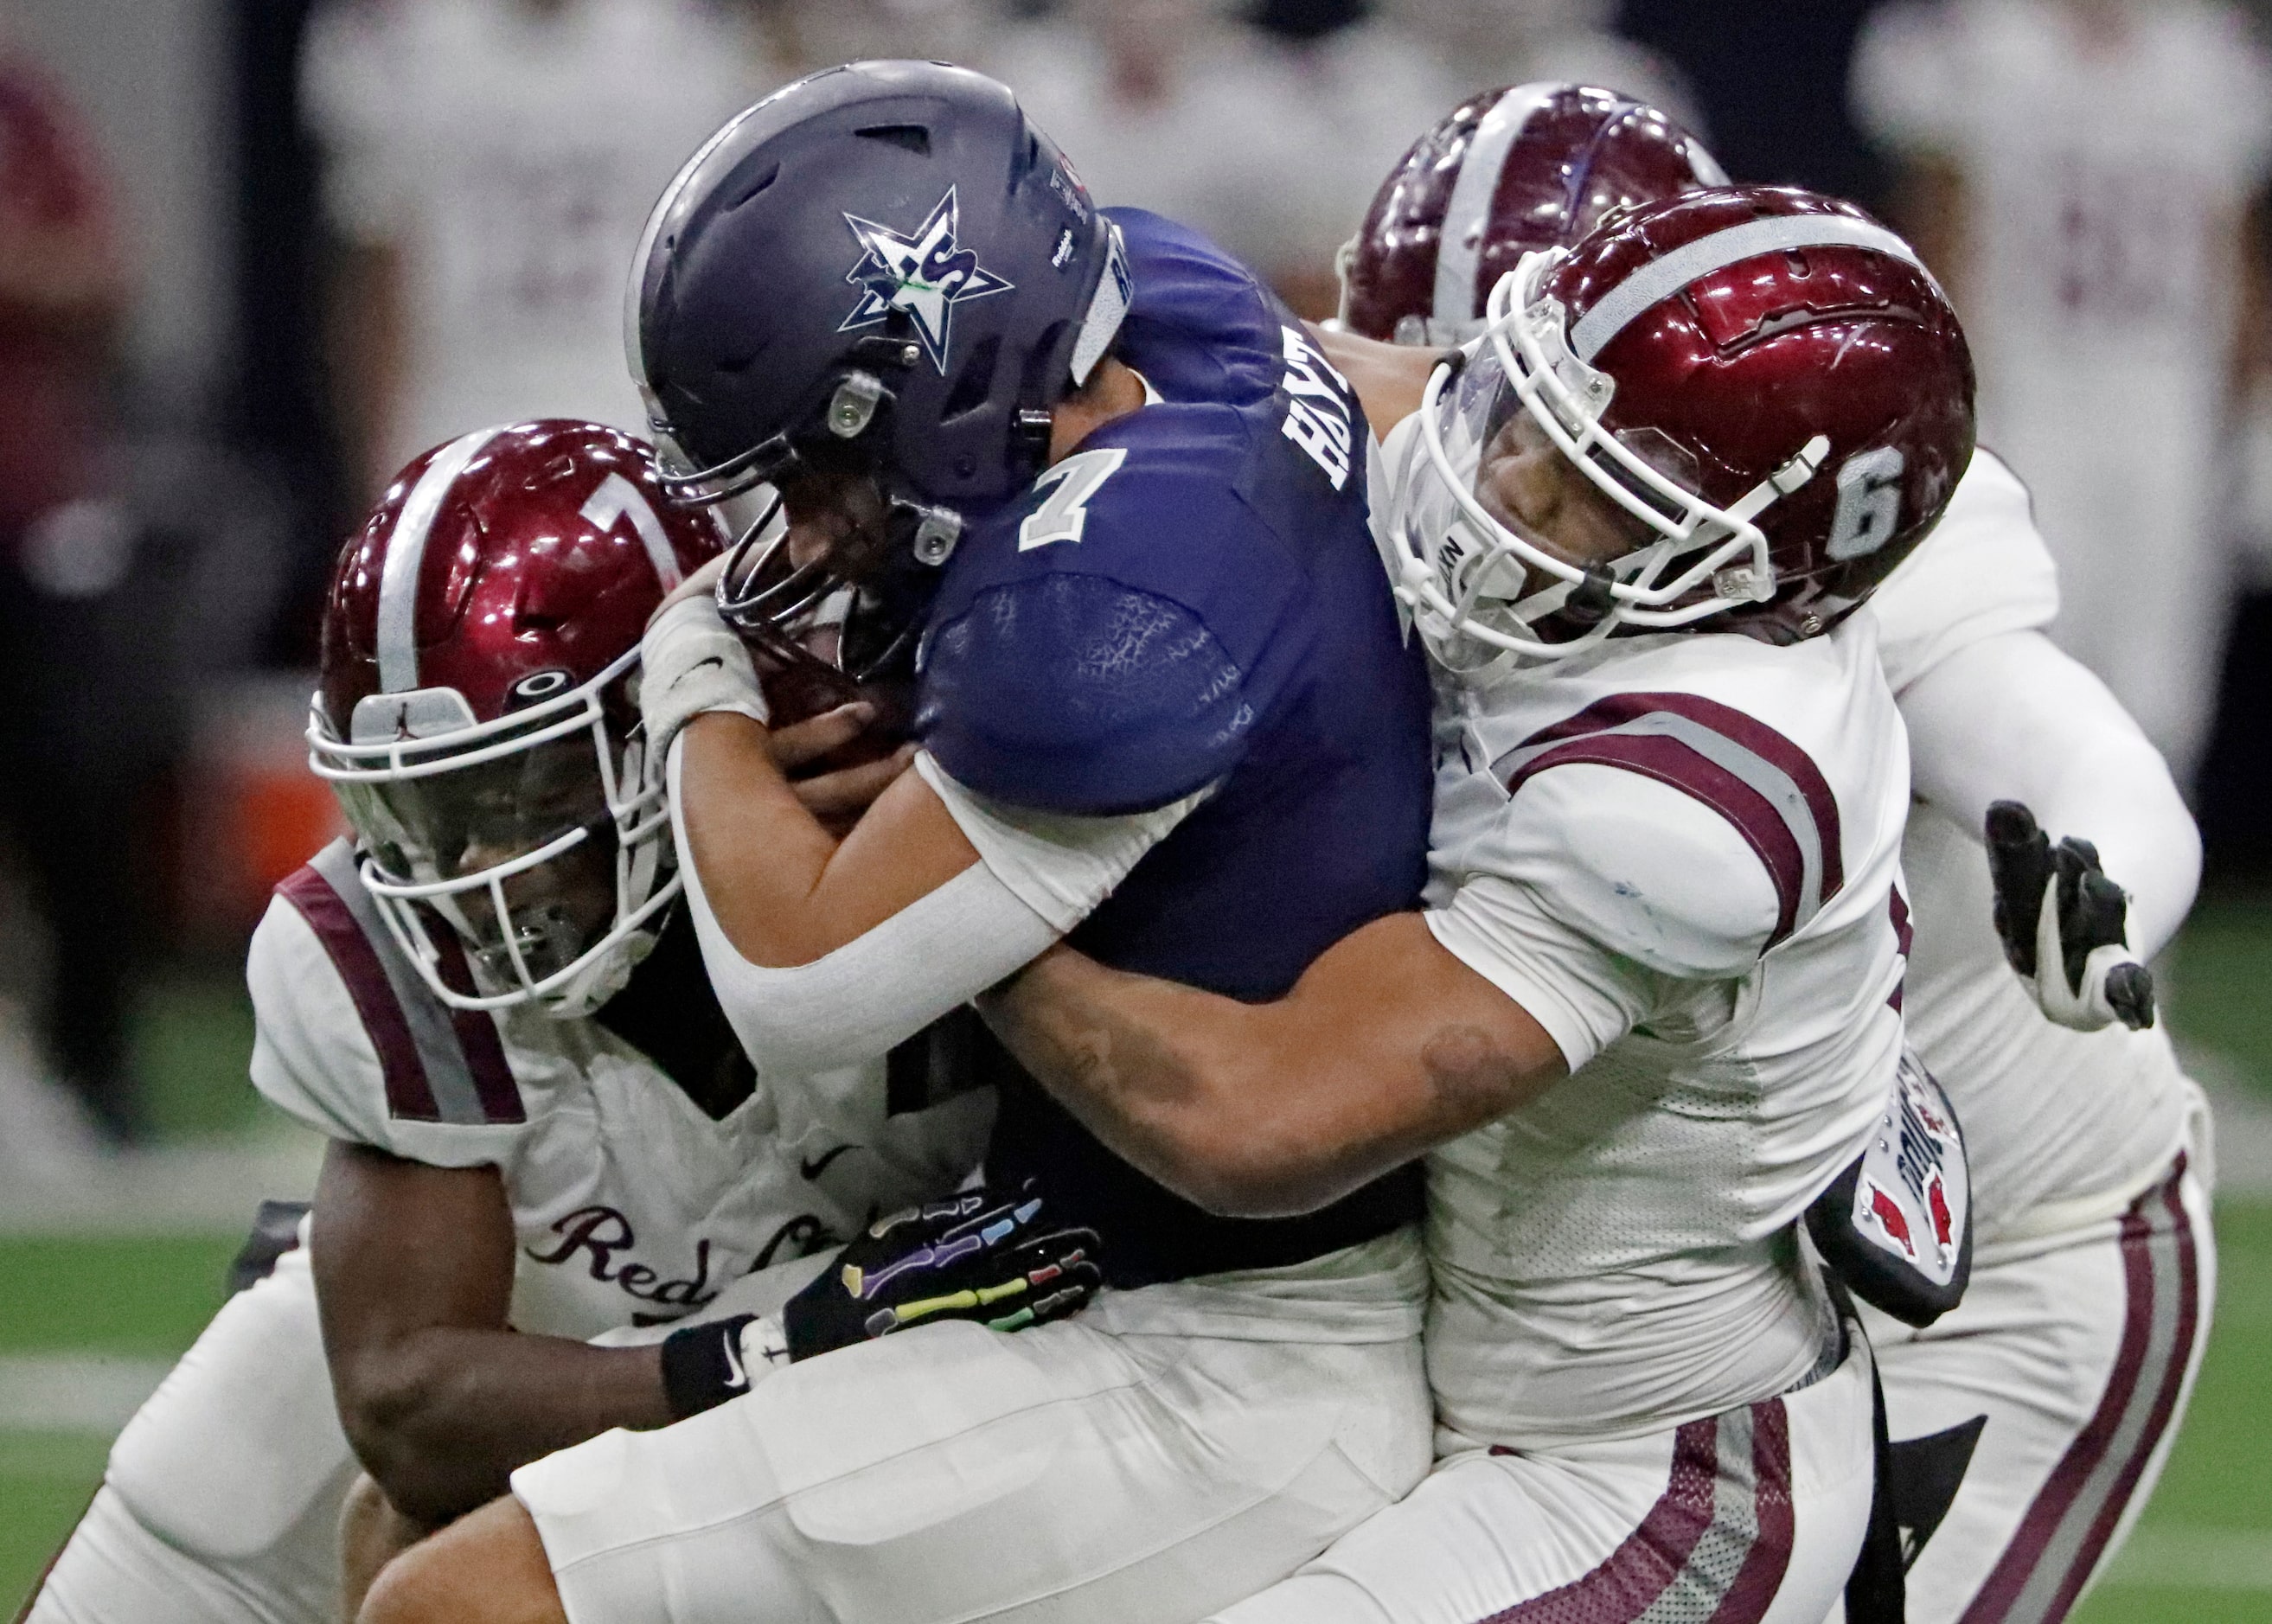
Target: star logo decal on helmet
pixel 925 275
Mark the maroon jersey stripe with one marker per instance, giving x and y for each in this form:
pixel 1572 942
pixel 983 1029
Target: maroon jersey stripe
pixel 408 1094
pixel 1671 762
pixel 477 1035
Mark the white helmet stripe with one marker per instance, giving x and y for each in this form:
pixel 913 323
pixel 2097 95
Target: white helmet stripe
pixel 405 551
pixel 1662 278
pixel 618 496
pixel 1460 243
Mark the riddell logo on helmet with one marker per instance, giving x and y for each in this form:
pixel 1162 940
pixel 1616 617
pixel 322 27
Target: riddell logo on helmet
pixel 923 276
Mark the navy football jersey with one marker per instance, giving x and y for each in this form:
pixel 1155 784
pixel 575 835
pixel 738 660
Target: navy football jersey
pixel 1192 598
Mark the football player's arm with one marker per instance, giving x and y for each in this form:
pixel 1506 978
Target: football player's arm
pixel 1416 1028
pixel 1388 1045
pixel 824 950
pixel 414 1274
pixel 2011 717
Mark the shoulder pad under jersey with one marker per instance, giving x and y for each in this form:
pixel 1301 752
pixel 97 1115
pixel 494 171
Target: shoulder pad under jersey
pixel 1107 644
pixel 433 1065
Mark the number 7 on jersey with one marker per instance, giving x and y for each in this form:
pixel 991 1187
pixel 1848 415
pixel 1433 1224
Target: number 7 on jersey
pixel 1071 484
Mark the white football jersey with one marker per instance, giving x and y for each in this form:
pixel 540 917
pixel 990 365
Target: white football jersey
pixel 2060 1125
pixel 512 157
pixel 1679 854
pixel 631 1204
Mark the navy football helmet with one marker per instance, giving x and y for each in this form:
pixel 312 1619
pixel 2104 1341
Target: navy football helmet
pixel 885 270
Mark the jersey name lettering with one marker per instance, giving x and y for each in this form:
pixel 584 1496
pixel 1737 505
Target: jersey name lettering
pixel 1318 413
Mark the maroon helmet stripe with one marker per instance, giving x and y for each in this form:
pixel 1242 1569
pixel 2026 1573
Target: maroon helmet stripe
pixel 1701 1552
pixel 2064 1536
pixel 408 1095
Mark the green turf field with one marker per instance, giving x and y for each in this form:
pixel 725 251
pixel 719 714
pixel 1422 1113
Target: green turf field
pixel 2202 1555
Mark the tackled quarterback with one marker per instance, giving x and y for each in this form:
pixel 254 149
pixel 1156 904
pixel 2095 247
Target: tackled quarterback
pixel 1083 952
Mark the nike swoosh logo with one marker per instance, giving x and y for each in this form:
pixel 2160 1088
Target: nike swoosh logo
pixel 813 1167
pixel 715 659
pixel 735 1376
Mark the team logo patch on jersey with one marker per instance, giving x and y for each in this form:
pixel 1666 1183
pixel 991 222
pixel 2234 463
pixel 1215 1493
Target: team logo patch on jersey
pixel 925 275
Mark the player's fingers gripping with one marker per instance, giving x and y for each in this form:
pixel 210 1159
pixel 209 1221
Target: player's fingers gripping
pixel 799 744
pixel 839 797
pixel 981 1255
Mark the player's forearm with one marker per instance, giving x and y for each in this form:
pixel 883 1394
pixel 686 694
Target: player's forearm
pixel 760 855
pixel 442 1416
pixel 1159 1072
pixel 783 889
pixel 1269 1110
pixel 2013 718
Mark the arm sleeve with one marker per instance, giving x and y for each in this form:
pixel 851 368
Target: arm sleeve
pixel 1038 876
pixel 1982 571
pixel 1599 886
pixel 1072 693
pixel 2011 717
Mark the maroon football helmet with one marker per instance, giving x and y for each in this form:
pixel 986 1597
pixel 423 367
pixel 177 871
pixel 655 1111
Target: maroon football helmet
pixel 476 715
pixel 1506 172
pixel 1766 382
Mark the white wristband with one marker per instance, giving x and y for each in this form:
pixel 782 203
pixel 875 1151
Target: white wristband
pixel 691 663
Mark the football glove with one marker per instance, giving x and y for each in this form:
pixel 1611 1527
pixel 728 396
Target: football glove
pixel 982 1255
pixel 704 1365
pixel 2061 921
pixel 689 665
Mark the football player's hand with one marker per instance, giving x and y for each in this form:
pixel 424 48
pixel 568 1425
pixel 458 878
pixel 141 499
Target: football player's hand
pixel 834 794
pixel 2062 922
pixel 984 1254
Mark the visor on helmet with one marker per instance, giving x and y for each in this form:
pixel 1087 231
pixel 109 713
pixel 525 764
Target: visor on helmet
pixel 1479 586
pixel 537 838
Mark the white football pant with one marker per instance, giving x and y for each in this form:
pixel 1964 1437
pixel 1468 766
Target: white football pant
pixel 1752 1517
pixel 1068 1474
pixel 2071 1358
pixel 220 1503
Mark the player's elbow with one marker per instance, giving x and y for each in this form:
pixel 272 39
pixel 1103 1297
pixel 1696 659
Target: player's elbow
pixel 391 1406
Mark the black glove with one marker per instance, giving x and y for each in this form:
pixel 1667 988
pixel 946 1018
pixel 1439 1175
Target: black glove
pixel 980 1256
pixel 2061 921
pixel 704 1365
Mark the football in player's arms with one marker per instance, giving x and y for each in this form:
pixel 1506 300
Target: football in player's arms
pixel 2083 1142
pixel 1166 711
pixel 541 1126
pixel 1651 1011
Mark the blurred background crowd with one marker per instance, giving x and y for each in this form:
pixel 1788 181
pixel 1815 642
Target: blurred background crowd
pixel 254 254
